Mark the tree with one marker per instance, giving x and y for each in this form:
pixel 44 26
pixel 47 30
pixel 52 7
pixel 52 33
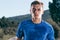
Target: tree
pixel 54 9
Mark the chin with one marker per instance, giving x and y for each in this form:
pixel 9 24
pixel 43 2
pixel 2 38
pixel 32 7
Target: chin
pixel 37 18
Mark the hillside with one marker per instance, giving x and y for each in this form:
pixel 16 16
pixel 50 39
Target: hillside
pixel 28 16
pixel 8 26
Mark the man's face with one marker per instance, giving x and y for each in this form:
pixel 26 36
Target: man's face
pixel 36 11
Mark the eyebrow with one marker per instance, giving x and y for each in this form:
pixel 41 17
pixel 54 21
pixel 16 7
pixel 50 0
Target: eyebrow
pixel 38 8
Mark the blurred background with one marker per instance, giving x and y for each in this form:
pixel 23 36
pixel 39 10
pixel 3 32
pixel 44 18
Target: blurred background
pixel 12 12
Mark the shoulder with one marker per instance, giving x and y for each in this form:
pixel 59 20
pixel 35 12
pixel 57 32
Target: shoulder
pixel 22 24
pixel 26 21
pixel 48 25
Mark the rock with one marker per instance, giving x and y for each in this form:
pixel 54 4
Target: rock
pixel 13 38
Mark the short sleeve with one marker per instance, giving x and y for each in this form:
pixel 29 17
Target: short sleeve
pixel 19 32
pixel 50 35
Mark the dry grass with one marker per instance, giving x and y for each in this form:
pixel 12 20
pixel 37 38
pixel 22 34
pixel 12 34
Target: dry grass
pixel 6 37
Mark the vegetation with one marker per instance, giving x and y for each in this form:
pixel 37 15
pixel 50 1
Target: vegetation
pixel 8 26
pixel 54 9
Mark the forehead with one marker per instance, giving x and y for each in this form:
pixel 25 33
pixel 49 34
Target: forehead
pixel 36 6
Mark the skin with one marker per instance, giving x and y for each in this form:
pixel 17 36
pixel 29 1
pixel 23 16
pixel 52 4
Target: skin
pixel 18 39
pixel 36 11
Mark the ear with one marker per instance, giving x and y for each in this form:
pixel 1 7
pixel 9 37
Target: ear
pixel 30 9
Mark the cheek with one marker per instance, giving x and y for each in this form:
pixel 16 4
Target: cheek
pixel 31 12
pixel 42 12
pixel 32 15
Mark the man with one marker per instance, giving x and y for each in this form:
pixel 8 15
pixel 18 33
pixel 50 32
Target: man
pixel 35 28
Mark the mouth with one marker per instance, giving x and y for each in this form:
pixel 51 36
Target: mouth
pixel 36 15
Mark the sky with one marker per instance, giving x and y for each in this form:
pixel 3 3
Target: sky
pixel 10 8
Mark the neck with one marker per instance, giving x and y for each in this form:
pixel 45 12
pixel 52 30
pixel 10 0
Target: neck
pixel 36 20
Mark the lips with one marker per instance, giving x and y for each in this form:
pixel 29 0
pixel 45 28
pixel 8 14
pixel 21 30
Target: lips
pixel 36 15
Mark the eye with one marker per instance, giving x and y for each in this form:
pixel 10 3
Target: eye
pixel 34 9
pixel 38 9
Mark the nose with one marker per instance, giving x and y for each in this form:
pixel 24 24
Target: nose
pixel 35 11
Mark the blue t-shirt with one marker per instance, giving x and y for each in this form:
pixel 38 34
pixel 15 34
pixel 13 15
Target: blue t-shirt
pixel 32 31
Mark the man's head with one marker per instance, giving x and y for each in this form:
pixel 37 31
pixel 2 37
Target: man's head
pixel 36 9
